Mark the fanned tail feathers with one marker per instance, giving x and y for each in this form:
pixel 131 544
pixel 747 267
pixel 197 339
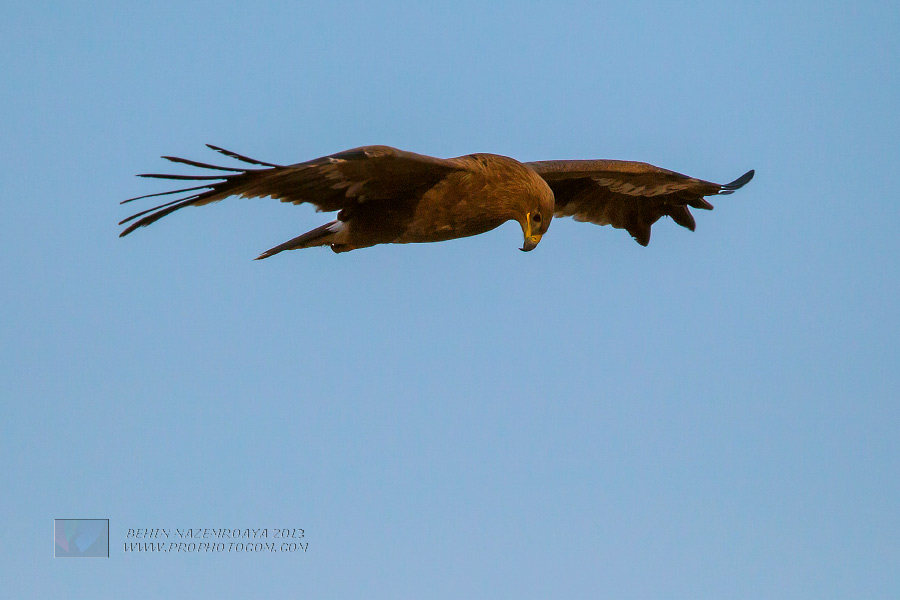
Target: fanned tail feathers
pixel 320 236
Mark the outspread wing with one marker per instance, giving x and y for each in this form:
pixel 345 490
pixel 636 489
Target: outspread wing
pixel 628 195
pixel 336 182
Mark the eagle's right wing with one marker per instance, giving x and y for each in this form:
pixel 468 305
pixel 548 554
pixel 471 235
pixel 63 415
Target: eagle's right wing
pixel 628 195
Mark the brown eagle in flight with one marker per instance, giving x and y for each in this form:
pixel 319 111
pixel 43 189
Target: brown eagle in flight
pixel 387 196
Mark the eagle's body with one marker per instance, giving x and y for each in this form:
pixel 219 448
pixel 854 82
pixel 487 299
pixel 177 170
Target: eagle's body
pixel 481 195
pixel 384 195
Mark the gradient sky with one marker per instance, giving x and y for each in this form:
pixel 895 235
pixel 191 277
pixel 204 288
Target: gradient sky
pixel 714 416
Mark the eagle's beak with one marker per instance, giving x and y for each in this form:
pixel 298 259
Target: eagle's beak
pixel 531 243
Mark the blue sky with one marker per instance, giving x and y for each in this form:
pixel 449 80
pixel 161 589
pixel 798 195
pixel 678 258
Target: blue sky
pixel 715 415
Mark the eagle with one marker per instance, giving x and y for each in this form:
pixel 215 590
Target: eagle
pixel 383 195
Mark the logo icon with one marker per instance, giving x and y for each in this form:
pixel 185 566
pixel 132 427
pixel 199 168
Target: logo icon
pixel 81 538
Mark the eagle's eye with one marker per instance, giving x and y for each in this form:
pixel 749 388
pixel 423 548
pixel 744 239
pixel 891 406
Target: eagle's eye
pixel 536 217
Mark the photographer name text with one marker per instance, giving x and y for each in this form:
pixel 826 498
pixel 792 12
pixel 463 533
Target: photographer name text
pixel 179 540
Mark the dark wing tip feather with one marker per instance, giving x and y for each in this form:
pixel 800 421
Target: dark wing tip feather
pixel 202 165
pixel 190 189
pixel 639 227
pixel 241 157
pixel 641 236
pixel 182 177
pixel 738 183
pixel 700 202
pixel 156 213
pixel 150 210
pixel 681 215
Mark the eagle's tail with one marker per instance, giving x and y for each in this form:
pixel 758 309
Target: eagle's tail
pixel 320 236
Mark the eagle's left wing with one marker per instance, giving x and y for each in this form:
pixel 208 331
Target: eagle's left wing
pixel 331 183
pixel 628 195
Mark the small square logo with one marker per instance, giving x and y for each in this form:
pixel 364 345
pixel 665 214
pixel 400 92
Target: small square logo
pixel 81 538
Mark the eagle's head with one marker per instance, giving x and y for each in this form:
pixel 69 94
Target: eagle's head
pixel 538 211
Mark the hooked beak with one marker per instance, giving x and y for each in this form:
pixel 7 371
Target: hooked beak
pixel 531 240
pixel 531 243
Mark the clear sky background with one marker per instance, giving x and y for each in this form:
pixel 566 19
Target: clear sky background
pixel 714 416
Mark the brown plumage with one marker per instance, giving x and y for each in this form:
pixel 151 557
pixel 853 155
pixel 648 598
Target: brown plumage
pixel 383 195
